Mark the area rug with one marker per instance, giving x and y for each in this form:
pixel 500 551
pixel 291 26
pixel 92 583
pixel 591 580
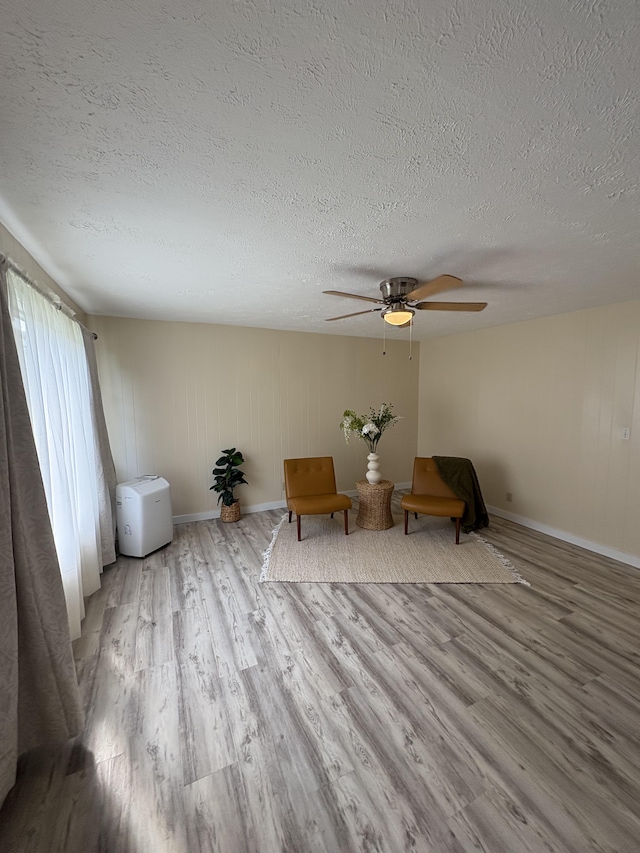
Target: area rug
pixel 427 555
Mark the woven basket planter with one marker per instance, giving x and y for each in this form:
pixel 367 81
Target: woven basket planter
pixel 230 513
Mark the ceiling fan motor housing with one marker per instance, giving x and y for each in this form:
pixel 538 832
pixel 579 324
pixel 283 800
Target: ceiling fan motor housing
pixel 397 289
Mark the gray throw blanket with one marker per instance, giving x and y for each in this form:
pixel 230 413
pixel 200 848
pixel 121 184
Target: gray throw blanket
pixel 460 475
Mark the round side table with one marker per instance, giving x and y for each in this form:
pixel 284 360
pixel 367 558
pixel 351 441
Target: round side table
pixel 374 506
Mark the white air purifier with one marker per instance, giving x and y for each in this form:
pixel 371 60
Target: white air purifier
pixel 143 515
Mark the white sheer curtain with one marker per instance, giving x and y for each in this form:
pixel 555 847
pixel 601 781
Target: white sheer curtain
pixel 56 380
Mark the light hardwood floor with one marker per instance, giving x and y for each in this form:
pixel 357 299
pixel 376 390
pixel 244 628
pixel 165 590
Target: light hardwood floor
pixel 228 715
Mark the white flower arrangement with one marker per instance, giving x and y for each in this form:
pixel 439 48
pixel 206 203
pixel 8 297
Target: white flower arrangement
pixel 369 427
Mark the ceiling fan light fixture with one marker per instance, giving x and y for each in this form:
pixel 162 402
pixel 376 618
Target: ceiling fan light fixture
pixel 398 315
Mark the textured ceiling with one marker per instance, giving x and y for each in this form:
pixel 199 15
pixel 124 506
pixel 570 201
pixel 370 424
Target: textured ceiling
pixel 227 162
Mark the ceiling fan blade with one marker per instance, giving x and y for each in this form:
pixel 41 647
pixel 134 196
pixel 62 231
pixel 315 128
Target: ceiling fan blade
pixel 437 285
pixel 344 316
pixel 353 296
pixel 451 306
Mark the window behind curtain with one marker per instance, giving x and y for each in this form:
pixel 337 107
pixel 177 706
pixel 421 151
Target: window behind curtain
pixel 55 376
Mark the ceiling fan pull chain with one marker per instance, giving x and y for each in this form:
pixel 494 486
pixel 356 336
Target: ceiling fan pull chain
pixel 384 339
pixel 410 339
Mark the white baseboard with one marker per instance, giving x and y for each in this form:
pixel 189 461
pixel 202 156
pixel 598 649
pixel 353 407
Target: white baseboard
pixel 596 547
pixel 587 544
pixel 215 513
pixel 247 510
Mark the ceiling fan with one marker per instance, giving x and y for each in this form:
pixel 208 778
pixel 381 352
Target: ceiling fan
pixel 401 295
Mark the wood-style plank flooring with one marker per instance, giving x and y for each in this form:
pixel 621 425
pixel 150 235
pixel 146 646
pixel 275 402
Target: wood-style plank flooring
pixel 228 715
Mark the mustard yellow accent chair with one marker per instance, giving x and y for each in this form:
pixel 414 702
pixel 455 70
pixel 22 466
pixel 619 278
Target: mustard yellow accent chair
pixel 310 485
pixel 430 495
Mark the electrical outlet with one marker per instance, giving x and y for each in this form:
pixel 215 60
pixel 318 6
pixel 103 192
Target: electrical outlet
pixel 509 496
pixel 626 433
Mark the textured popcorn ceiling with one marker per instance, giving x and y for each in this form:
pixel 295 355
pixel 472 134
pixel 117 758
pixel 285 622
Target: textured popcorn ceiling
pixel 228 161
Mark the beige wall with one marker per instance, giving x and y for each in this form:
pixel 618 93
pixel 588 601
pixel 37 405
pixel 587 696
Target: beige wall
pixel 175 394
pixel 539 406
pixel 15 251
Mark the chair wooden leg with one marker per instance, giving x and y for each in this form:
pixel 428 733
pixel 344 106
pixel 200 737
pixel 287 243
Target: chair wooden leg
pixel 298 523
pixel 406 522
pixel 290 514
pixel 457 531
pixel 346 522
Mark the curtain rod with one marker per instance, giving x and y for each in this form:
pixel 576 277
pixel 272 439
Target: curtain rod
pixel 46 292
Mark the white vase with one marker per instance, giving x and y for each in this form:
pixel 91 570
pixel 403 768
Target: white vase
pixel 373 469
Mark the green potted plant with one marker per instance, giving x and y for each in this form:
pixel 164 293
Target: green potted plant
pixel 227 476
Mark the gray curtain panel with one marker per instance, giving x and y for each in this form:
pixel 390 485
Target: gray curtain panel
pixel 39 698
pixel 105 469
